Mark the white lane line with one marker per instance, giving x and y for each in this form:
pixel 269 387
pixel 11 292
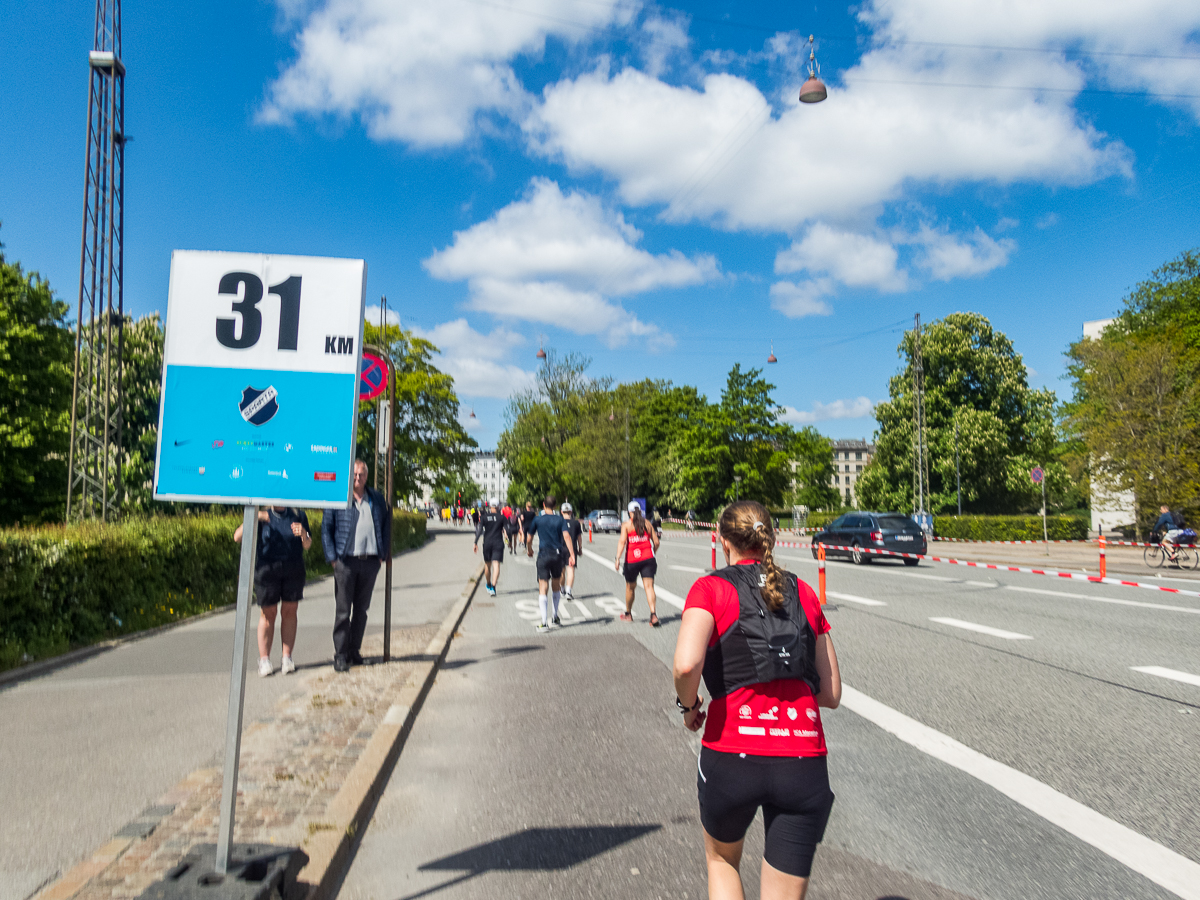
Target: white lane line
pixel 583 609
pixel 1164 867
pixel 982 629
pixel 926 577
pixel 1173 674
pixel 670 598
pixel 1029 590
pixel 982 583
pixel 689 569
pixel 851 598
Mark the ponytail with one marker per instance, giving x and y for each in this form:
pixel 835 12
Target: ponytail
pixel 639 524
pixel 747 526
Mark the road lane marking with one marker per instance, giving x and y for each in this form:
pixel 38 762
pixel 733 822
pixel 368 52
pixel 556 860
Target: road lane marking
pixel 1141 603
pixel 982 629
pixel 689 569
pixel 1173 674
pixel 982 583
pixel 926 577
pixel 598 558
pixel 583 609
pixel 673 599
pixel 851 598
pixel 1164 867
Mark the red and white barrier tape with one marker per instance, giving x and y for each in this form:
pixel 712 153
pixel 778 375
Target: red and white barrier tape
pixel 1076 576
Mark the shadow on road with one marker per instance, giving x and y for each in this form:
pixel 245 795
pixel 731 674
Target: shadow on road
pixel 534 849
pixel 499 653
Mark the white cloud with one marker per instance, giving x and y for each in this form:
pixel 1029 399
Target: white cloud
pixel 948 256
pixel 857 260
pixel 416 71
pixel 481 364
pixel 805 298
pixel 903 118
pixel 822 412
pixel 558 258
pixel 371 314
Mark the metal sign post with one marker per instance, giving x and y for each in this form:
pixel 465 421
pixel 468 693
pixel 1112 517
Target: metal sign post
pixel 237 687
pixel 261 364
pixel 1038 476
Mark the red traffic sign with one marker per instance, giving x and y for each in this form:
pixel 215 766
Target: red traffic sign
pixel 373 379
pixel 1037 475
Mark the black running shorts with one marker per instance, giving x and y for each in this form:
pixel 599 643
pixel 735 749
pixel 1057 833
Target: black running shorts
pixel 794 795
pixel 275 581
pixel 566 558
pixel 647 568
pixel 493 552
pixel 549 566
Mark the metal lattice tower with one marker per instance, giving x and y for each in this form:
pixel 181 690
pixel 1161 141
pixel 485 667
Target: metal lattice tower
pixel 94 480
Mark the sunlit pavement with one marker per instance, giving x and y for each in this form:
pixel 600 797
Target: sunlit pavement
pixel 1005 736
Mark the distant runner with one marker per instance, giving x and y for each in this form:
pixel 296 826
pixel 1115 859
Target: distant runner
pixel 553 540
pixel 527 516
pixel 512 528
pixel 637 549
pixel 491 528
pixel 575 529
pixel 760 640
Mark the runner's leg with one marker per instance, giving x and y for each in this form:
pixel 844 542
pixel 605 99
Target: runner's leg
pixel 724 880
pixel 287 626
pixel 266 629
pixel 648 584
pixel 543 588
pixel 495 567
pixel 556 587
pixel 776 885
pixel 629 589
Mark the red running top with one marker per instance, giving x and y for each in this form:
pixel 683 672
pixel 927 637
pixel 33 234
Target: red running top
pixel 639 548
pixel 778 718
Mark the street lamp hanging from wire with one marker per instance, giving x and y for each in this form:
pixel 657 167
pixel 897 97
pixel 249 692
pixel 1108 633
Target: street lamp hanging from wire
pixel 813 90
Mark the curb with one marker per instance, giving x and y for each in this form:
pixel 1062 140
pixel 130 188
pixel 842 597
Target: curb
pixel 44 666
pixel 331 852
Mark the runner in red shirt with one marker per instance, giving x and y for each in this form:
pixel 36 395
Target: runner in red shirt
pixel 759 639
pixel 636 550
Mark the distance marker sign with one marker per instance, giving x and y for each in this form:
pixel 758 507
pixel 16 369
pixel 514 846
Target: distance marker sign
pixel 260 379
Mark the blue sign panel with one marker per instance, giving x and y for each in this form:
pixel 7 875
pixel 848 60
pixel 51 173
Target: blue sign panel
pixel 260 379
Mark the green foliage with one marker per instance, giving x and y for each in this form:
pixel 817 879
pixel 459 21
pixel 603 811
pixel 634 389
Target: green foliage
pixel 973 378
pixel 813 456
pixel 37 352
pixel 141 385
pixel 1010 528
pixel 1136 404
pixel 432 448
pixel 69 586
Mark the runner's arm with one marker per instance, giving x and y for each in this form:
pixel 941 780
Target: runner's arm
pixel 827 668
pixel 621 545
pixel 569 541
pixel 691 648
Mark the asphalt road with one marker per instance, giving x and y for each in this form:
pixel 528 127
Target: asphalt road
pixel 997 741
pixel 88 747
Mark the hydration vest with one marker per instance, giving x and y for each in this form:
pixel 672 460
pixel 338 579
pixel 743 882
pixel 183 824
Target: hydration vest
pixel 763 645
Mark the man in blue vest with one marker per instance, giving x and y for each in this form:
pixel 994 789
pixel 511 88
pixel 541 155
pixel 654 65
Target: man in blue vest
pixel 356 540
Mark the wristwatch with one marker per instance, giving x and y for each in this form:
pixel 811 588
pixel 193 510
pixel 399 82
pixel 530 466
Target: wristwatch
pixel 688 709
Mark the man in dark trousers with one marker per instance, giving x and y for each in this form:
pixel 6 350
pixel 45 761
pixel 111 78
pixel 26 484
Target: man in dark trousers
pixel 356 539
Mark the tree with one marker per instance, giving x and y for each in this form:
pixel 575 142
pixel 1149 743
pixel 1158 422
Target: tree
pixel 812 475
pixel 432 448
pixel 37 353
pixel 1136 405
pixel 141 388
pixel 973 378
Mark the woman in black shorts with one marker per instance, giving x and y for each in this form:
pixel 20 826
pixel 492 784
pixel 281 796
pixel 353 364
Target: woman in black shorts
pixel 283 536
pixel 763 744
pixel 638 548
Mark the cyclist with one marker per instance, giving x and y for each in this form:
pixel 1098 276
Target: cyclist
pixel 1172 525
pixel 763 745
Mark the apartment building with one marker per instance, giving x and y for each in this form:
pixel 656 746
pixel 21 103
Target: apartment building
pixel 850 458
pixel 488 472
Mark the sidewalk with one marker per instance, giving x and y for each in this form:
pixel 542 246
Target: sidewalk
pixel 304 750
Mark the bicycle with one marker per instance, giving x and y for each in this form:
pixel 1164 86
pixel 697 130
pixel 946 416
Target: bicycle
pixel 1184 556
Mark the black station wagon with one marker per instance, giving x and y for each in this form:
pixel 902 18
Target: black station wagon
pixel 880 531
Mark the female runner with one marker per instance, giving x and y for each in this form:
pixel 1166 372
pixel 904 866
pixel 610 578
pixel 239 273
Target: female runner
pixel 763 744
pixel 637 547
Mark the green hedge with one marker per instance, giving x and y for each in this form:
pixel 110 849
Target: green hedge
pixel 1010 528
pixel 64 587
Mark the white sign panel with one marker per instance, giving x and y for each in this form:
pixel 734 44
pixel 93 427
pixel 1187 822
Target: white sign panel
pixel 260 379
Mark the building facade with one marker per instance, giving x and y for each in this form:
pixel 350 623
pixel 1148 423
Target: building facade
pixel 850 458
pixel 488 472
pixel 1116 510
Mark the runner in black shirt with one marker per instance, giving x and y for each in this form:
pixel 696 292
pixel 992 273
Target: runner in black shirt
pixel 528 514
pixel 511 528
pixel 553 542
pixel 575 530
pixel 491 528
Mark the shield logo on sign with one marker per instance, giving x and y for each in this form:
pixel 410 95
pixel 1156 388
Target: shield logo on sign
pixel 259 407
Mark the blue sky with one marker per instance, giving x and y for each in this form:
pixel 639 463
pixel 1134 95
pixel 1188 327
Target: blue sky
pixel 637 182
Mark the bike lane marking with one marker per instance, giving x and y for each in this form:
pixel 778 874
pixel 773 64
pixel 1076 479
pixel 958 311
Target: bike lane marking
pixel 1164 867
pixel 853 598
pixel 981 629
pixel 1173 674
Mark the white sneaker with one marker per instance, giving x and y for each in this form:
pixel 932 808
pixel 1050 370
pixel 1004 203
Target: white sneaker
pixel 288 667
pixel 264 666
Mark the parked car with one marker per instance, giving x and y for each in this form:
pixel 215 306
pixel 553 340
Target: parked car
pixel 881 531
pixel 604 520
